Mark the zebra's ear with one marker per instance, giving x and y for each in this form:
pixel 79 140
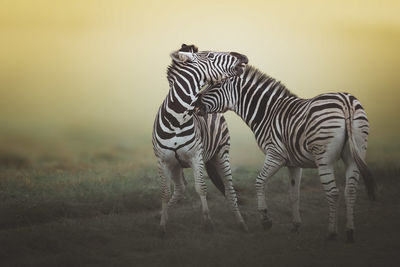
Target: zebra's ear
pixel 189 48
pixel 179 56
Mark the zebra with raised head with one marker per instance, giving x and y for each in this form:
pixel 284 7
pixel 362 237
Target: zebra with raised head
pixel 298 133
pixel 182 140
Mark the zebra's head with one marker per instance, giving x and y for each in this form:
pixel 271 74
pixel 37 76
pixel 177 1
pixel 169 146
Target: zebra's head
pixel 210 66
pixel 215 98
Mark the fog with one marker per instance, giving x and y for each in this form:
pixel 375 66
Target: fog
pixel 102 65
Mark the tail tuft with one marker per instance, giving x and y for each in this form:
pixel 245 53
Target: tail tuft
pixel 369 180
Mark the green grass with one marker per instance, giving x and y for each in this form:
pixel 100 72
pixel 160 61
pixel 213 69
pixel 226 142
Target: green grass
pixel 94 203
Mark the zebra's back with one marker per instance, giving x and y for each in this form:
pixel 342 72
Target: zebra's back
pixel 306 127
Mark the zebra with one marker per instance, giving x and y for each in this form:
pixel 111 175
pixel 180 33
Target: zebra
pixel 181 140
pixel 298 133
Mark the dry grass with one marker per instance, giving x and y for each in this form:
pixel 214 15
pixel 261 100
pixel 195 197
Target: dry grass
pixel 94 203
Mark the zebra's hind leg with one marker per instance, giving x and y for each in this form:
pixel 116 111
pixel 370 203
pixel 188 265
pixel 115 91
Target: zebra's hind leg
pixel 350 193
pixel 294 196
pixel 272 164
pixel 219 168
pixel 327 177
pixel 165 178
pixel 201 189
pixel 179 186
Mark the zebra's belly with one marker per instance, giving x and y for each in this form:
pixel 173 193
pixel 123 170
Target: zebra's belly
pixel 185 154
pixel 185 157
pixel 180 157
pixel 305 161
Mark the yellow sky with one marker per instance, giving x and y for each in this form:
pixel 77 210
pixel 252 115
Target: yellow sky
pixel 71 63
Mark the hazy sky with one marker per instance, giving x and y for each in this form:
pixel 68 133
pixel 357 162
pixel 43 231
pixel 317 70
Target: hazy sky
pixel 74 63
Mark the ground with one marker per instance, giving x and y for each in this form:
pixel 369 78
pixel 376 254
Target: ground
pixel 102 210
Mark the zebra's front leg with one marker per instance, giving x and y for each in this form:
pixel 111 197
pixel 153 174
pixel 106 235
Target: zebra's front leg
pixel 271 166
pixel 201 189
pixel 294 196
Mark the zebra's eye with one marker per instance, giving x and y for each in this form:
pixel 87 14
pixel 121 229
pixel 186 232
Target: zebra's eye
pixel 210 55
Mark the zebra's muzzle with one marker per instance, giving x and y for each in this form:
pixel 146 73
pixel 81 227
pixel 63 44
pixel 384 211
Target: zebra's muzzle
pixel 242 58
pixel 242 62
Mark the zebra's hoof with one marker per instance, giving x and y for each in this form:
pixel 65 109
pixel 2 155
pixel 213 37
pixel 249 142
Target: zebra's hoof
pixel 267 224
pixel 296 228
pixel 208 226
pixel 162 231
pixel 331 236
pixel 350 236
pixel 243 227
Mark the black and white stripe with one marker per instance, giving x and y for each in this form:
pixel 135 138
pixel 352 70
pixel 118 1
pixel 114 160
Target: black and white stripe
pixel 182 140
pixel 298 133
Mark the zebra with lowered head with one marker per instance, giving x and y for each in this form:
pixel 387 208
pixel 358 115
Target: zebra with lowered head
pixel 182 140
pixel 298 133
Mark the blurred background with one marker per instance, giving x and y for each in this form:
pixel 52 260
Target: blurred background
pixel 82 80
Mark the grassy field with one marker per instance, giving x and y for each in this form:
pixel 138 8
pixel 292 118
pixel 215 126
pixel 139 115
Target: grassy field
pixel 92 202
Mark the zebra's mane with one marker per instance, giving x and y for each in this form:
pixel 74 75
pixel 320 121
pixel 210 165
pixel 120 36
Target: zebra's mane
pixel 261 77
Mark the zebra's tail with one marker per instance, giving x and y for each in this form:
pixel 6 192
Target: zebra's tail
pixel 369 180
pixel 215 177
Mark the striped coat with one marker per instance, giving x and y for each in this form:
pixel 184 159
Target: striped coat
pixel 182 140
pixel 298 133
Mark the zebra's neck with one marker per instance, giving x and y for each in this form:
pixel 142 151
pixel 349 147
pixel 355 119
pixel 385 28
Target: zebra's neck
pixel 184 83
pixel 258 96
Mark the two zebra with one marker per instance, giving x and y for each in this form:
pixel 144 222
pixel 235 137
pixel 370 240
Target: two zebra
pixel 292 132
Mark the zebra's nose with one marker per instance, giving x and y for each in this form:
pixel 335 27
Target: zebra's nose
pixel 242 58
